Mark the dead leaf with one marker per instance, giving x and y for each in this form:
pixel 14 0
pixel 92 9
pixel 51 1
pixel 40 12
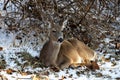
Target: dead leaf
pixel 10 71
pixel 117 45
pixel 24 74
pixel 1 48
pixel 55 69
pixel 95 66
pixel 41 77
pixel 63 77
pixel 105 59
pixel 70 76
pixel 114 63
pixel 44 77
pixel 35 77
pixel 99 74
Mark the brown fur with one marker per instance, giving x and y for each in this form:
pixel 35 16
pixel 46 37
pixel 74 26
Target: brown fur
pixel 67 55
pixel 69 52
pixel 83 50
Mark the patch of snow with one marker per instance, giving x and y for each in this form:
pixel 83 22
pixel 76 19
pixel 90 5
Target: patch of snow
pixel 1 4
pixel 33 53
pixel 16 76
pixel 3 13
pixel 9 52
pixel 6 39
pixel 107 40
pixel 118 19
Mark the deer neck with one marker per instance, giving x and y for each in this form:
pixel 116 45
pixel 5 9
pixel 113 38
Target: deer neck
pixel 53 50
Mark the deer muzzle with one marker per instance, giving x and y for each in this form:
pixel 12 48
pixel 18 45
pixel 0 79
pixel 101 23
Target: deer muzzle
pixel 60 40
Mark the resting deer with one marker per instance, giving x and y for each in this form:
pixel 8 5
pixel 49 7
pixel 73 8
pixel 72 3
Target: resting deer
pixel 64 53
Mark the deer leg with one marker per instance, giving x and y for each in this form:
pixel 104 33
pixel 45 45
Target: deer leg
pixel 75 65
pixel 65 63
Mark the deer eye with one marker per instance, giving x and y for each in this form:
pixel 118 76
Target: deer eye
pixel 54 31
pixel 62 31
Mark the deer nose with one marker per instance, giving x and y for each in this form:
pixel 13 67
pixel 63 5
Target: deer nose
pixel 60 40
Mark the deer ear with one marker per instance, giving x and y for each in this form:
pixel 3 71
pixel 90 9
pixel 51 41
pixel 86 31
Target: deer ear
pixel 49 28
pixel 64 24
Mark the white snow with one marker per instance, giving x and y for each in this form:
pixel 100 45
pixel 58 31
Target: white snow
pixel 107 40
pixel 118 19
pixel 7 39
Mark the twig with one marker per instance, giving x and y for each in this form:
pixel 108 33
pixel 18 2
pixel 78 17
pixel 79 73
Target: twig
pixel 88 7
pixel 4 7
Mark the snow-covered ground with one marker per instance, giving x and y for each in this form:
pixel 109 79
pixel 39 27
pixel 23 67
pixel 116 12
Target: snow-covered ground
pixel 10 57
pixel 109 69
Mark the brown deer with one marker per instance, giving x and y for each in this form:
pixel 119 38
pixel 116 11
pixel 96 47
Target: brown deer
pixel 64 53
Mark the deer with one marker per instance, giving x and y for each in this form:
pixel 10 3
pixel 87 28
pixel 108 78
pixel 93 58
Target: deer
pixel 62 53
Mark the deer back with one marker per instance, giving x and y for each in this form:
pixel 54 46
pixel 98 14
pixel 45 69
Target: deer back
pixel 83 50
